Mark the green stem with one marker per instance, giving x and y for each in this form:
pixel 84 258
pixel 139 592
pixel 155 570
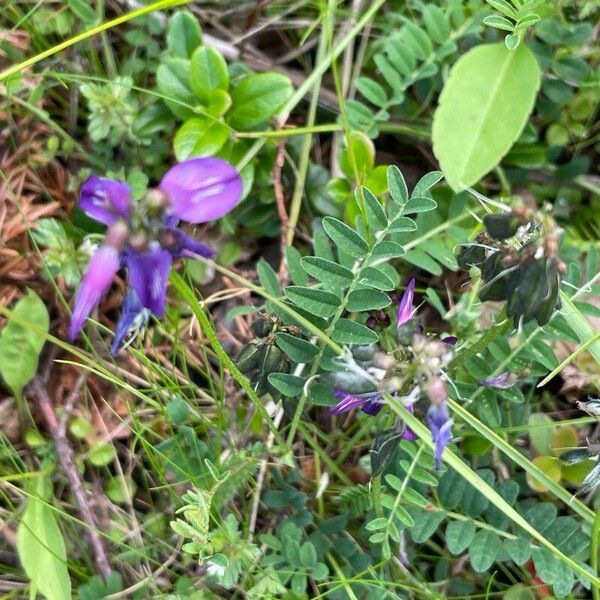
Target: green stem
pixel 594 552
pixel 290 131
pixel 296 202
pixel 209 331
pixel 144 10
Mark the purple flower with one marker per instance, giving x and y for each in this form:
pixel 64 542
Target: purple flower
pixel 105 200
pixel 201 189
pixel 370 403
pixel 505 380
pixel 408 434
pixel 440 425
pixel 405 307
pixel 133 317
pixel 197 190
pixel 102 267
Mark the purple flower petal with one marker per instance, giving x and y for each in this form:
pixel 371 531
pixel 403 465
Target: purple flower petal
pixel 440 425
pixel 133 316
pixel 148 273
pixel 373 406
pixel 370 403
pixel 95 283
pixel 202 189
pixel 184 246
pixel 502 382
pixel 105 200
pixel 405 307
pixel 408 434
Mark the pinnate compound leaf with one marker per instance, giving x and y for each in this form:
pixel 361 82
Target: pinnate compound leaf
pixel 20 345
pixel 41 546
pixel 482 110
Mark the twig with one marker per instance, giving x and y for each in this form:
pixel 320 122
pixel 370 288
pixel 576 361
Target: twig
pixel 37 388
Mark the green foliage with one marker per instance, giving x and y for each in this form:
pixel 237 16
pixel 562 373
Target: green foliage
pixel 41 546
pixel 482 110
pixel 61 257
pixel 21 344
pixel 112 109
pixel 407 56
pixel 277 496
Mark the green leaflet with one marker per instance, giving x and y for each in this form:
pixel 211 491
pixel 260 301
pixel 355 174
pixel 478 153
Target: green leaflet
pixel 41 547
pixel 317 302
pixel 208 73
pixel 20 346
pixel 483 550
pixel 482 110
pixel 345 238
pixel 200 137
pixel 330 273
pixel 257 98
pixel 459 535
pixel 183 34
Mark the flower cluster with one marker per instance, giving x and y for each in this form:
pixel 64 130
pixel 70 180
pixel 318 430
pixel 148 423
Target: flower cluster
pixel 420 370
pixel 144 238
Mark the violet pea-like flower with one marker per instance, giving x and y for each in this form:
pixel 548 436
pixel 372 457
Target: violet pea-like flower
pixel 370 402
pixel 198 190
pixel 440 425
pixel 405 306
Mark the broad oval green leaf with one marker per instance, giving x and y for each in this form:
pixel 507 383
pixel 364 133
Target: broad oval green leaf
pixel 257 98
pixel 483 550
pixel 200 137
pixel 41 547
pixel 20 346
pixel 208 73
pixel 459 535
pixel 482 110
pixel 183 34
pixel 172 79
